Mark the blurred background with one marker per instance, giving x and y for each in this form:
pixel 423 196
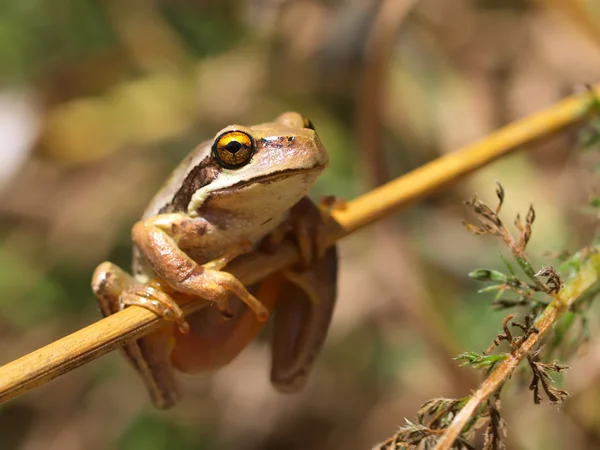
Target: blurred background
pixel 99 100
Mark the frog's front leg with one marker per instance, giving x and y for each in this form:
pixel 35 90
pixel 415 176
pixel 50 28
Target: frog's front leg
pixel 158 240
pixel 150 355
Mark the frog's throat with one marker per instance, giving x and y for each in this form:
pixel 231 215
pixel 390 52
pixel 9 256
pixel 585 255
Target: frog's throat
pixel 200 196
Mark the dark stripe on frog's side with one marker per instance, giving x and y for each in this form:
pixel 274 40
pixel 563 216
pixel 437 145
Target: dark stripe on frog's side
pixel 200 176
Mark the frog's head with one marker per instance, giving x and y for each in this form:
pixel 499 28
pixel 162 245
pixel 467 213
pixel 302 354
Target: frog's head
pixel 268 166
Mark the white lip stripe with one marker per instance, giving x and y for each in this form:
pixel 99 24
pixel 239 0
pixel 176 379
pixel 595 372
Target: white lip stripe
pixel 200 196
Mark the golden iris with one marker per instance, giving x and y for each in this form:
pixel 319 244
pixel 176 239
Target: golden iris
pixel 233 149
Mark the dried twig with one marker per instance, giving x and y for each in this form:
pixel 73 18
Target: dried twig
pixel 577 287
pixel 112 332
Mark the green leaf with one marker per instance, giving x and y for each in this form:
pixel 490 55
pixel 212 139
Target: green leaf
pixel 476 360
pixel 526 266
pixel 492 288
pixel 488 275
pixel 507 264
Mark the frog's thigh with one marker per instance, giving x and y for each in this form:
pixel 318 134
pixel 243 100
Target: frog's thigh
pixel 150 355
pixel 301 323
pixel 108 281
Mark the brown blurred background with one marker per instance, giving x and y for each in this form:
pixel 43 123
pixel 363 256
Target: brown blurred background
pixel 99 100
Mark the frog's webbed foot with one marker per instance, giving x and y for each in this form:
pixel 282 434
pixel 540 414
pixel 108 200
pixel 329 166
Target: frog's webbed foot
pixel 157 239
pixel 152 297
pixel 218 283
pixel 306 225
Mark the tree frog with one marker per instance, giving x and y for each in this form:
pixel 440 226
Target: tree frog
pixel 246 189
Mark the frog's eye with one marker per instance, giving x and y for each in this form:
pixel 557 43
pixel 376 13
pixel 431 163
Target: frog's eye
pixel 308 124
pixel 233 149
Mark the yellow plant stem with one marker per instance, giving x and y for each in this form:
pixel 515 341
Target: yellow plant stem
pixel 112 332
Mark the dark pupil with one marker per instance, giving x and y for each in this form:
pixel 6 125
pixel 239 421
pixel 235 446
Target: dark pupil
pixel 233 146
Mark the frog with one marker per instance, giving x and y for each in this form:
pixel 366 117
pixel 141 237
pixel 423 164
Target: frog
pixel 245 190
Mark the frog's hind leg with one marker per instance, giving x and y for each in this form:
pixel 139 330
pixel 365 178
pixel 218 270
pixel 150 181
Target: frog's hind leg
pixel 150 355
pixel 302 318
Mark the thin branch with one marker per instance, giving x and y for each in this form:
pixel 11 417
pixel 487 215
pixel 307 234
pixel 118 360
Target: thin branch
pixel 91 342
pixel 584 279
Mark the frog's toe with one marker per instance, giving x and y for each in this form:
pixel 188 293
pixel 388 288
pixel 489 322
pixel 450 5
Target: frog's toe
pixel 156 301
pixel 225 308
pixel 227 314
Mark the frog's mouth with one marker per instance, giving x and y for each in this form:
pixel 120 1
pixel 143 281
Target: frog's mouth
pixel 274 176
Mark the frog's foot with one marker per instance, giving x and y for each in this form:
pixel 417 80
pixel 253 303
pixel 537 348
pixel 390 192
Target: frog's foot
pixel 216 285
pixel 225 308
pixel 306 224
pixel 151 297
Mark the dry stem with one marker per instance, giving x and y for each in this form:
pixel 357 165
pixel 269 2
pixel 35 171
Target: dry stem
pixel 585 278
pixel 112 332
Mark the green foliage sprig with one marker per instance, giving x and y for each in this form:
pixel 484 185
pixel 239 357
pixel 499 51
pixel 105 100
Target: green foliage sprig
pixel 544 300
